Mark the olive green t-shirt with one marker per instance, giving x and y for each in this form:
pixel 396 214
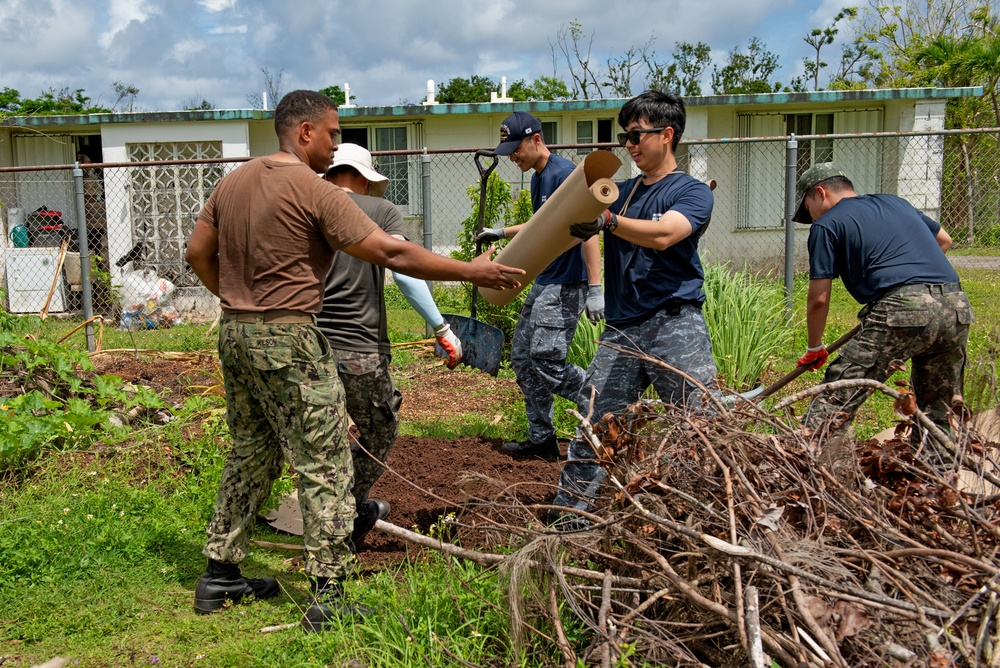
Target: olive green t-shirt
pixel 279 226
pixel 353 316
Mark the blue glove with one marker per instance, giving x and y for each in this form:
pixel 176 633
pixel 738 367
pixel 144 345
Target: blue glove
pixel 595 303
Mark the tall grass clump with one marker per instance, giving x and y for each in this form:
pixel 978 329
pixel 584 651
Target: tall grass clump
pixel 584 345
pixel 747 322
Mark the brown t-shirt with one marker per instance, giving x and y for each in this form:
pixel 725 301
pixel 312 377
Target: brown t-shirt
pixel 279 226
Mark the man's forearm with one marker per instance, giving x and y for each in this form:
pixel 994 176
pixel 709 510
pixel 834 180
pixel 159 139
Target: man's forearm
pixel 592 259
pixel 817 309
pixel 207 271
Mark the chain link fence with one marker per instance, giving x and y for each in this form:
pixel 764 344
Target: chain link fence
pixel 125 225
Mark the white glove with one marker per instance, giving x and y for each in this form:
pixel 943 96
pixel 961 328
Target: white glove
pixel 491 234
pixel 450 343
pixel 595 303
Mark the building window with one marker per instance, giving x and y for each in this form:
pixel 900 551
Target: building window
pixel 393 166
pixel 550 132
pixel 811 151
pixel 165 201
pixel 605 128
pixel 584 135
pixel 357 136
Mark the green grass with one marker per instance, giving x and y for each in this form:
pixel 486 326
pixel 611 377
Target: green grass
pixel 101 550
pixel 100 546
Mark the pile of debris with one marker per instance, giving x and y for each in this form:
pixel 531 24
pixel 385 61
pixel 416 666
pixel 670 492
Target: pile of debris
pixel 729 541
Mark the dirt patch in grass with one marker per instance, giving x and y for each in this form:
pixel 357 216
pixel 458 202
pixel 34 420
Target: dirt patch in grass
pixel 423 482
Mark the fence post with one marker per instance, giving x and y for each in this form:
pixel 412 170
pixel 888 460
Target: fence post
pixel 81 233
pixel 791 165
pixel 425 179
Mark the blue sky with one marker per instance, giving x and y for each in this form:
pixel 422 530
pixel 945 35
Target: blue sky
pixel 176 51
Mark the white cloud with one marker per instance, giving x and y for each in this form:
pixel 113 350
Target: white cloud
pixel 385 49
pixel 120 13
pixel 227 30
pixel 217 5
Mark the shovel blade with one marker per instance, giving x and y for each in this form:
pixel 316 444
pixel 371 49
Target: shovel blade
pixel 731 400
pixel 482 344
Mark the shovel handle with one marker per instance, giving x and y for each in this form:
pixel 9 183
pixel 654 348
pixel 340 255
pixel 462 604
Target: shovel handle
pixel 799 370
pixel 484 177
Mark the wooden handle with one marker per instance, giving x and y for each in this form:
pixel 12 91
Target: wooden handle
pixel 799 370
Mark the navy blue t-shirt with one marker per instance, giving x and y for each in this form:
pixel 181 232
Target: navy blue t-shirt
pixel 640 281
pixel 569 267
pixel 874 243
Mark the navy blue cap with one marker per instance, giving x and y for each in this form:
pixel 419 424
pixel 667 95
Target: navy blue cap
pixel 514 129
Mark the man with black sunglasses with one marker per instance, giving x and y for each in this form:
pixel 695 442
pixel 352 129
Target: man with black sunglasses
pixel 653 280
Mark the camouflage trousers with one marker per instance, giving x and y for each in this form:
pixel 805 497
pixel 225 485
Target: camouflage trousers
pixel 538 353
pixel 928 324
pixel 373 403
pixel 284 400
pixel 675 335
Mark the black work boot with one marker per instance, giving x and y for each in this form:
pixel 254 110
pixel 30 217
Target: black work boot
pixel 327 604
pixel 369 512
pixel 223 582
pixel 547 449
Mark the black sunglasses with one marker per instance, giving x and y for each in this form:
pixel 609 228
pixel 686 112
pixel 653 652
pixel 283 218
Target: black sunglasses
pixel 633 135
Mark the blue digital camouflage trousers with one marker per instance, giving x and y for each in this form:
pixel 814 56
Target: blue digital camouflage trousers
pixel 373 403
pixel 928 324
pixel 675 335
pixel 538 353
pixel 283 394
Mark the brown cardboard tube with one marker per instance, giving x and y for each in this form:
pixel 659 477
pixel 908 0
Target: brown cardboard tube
pixel 587 192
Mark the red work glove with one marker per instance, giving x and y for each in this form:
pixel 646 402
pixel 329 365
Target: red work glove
pixel 450 343
pixel 814 358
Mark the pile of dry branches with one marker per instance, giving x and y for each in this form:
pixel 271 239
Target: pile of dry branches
pixel 726 539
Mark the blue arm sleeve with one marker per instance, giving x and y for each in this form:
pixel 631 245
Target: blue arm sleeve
pixel 419 295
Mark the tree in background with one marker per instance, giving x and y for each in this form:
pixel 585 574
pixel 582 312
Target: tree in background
pixel 575 48
pixel 197 103
pixel 271 85
pixel 621 69
pixel 682 76
pixel 48 103
pixel 819 38
pixel 893 34
pixel 125 95
pixel 476 88
pixel 338 96
pixel 542 88
pixel 750 72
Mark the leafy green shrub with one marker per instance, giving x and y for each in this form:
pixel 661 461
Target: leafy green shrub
pixel 747 322
pixel 500 209
pixel 56 403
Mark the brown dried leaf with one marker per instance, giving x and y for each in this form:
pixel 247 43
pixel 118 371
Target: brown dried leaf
pixel 819 609
pixel 906 405
pixel 852 620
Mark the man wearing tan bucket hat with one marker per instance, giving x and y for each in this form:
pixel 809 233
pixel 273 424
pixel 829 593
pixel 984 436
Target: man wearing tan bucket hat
pixel 354 322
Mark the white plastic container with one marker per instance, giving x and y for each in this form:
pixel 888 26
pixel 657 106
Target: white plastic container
pixel 15 217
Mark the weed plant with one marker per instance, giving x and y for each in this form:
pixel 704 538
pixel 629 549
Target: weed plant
pixel 748 323
pixel 60 404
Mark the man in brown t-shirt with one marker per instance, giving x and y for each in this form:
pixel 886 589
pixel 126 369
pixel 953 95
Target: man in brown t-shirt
pixel 264 243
